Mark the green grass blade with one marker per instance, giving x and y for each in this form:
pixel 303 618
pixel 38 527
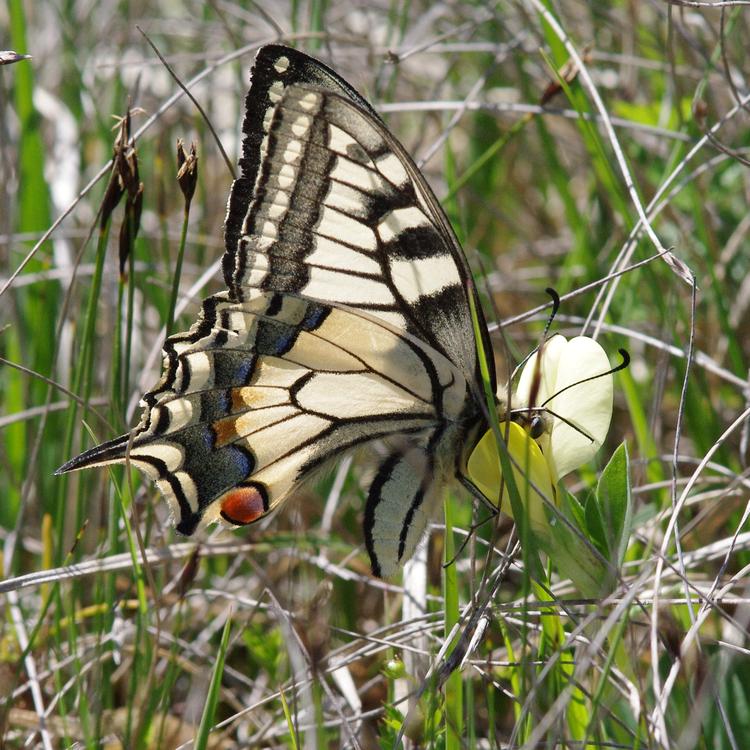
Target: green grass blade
pixel 214 688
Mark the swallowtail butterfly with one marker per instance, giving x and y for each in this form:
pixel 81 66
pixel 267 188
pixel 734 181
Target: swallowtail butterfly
pixel 346 320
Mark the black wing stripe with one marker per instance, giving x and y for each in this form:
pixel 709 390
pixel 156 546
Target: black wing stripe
pixel 400 504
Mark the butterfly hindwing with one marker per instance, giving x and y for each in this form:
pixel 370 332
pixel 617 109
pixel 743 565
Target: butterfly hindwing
pixel 401 502
pixel 346 321
pixel 260 394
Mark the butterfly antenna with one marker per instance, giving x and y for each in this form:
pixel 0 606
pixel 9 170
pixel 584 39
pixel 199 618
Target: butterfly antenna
pixel 555 307
pixel 625 362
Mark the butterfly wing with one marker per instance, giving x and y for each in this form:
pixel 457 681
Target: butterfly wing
pixel 331 206
pixel 259 394
pixel 346 320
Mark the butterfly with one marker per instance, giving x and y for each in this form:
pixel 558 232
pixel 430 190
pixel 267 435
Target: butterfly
pixel 346 321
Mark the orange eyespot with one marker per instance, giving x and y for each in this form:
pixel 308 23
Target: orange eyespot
pixel 243 505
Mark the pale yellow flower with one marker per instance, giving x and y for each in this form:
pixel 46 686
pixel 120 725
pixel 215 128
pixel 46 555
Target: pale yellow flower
pixel 575 410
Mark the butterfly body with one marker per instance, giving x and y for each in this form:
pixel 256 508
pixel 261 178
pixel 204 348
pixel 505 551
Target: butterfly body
pixel 346 321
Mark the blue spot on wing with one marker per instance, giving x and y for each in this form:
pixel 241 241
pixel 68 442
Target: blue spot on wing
pixel 232 368
pixel 246 369
pixel 314 316
pixel 213 470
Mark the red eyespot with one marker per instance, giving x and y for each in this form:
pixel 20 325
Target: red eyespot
pixel 243 505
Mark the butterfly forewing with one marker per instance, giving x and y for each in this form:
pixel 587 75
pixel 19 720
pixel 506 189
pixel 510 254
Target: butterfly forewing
pixel 346 321
pixel 340 213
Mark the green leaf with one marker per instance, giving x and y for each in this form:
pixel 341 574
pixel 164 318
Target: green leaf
pixel 572 508
pixel 577 558
pixel 595 526
pixel 592 553
pixel 575 551
pixel 615 503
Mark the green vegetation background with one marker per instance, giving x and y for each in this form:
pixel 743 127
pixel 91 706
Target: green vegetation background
pixel 277 636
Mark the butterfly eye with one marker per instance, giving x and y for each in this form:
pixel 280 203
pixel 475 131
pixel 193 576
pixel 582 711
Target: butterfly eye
pixel 243 505
pixel 536 427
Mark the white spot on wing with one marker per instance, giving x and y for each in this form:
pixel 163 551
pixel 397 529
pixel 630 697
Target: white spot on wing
pixel 309 100
pixel 349 172
pixel 281 198
pixel 281 64
pixel 347 199
pixel 169 453
pixel 277 372
pixel 286 176
pixel 327 252
pixel 399 220
pixel 257 264
pixel 292 151
pixel 341 287
pixel 336 224
pixel 180 413
pixel 301 125
pixel 275 211
pixel 339 140
pixel 201 370
pixel 275 91
pixel 392 169
pixel 254 278
pixel 188 489
pixel 269 230
pixel 420 277
pixel 237 320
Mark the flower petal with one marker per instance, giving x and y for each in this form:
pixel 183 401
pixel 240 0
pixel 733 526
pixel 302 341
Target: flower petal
pixel 587 406
pixel 551 353
pixel 483 467
pixel 484 471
